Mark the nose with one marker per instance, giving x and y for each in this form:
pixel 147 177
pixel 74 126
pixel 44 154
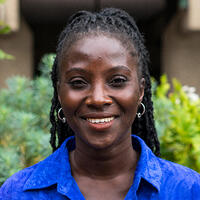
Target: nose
pixel 98 97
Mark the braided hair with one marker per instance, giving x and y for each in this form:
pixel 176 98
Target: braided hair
pixel 117 23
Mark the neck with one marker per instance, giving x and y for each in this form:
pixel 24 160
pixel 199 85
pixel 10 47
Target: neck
pixel 104 163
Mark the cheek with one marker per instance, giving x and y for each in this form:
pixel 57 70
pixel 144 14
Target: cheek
pixel 70 101
pixel 129 98
pixel 129 101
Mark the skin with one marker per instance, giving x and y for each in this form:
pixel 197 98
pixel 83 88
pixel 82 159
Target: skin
pixel 98 79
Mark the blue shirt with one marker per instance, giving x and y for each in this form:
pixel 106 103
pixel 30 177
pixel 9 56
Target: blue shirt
pixel 51 178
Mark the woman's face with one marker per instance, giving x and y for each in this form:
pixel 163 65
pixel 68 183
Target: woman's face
pixel 99 90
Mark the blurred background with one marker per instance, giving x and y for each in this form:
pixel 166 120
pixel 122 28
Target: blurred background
pixel 171 29
pixel 29 30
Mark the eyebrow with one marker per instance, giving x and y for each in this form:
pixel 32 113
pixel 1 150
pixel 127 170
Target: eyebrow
pixel 120 67
pixel 76 69
pixel 113 69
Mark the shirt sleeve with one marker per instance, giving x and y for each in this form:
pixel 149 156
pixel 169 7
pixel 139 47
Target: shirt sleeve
pixel 195 192
pixel 12 189
pixel 6 190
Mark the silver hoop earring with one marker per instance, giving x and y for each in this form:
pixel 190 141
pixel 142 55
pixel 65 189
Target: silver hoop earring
pixel 139 115
pixel 62 119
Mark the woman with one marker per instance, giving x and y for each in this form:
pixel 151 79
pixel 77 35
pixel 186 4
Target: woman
pixel 103 132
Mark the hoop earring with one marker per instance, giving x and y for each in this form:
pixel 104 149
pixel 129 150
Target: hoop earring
pixel 139 115
pixel 62 119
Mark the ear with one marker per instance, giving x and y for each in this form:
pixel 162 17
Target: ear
pixel 142 86
pixel 58 88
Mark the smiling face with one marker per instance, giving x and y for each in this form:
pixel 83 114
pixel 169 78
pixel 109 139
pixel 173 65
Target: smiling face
pixel 99 90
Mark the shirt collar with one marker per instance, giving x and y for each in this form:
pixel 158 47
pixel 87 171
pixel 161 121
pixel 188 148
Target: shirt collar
pixel 148 167
pixel 56 168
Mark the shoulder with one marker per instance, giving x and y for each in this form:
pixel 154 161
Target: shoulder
pixel 179 178
pixel 13 186
pixel 171 169
pixel 35 180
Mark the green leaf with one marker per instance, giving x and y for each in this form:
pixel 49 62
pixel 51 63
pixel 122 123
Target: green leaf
pixel 163 88
pixel 46 64
pixel 177 120
pixel 2 1
pixel 5 56
pixel 26 103
pixel 4 30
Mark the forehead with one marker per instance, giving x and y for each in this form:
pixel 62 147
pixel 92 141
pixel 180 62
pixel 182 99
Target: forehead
pixel 101 46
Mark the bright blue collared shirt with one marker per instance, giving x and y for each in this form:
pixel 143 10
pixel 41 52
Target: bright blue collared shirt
pixel 51 178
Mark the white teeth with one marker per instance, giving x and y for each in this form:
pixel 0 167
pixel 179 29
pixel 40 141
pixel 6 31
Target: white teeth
pixel 101 120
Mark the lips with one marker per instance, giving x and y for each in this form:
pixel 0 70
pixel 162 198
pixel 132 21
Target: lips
pixel 100 126
pixel 100 120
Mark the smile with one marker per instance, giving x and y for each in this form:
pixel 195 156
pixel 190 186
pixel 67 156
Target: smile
pixel 100 120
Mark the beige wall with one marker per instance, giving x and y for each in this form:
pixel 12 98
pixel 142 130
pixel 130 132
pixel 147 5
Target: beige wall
pixel 181 53
pixel 18 44
pixel 192 17
pixel 10 14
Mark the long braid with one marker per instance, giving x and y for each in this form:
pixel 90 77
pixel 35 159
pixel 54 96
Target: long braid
pixel 57 128
pixel 117 23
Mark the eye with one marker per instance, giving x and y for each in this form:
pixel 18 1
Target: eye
pixel 118 81
pixel 77 83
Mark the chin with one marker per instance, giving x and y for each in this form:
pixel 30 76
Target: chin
pixel 101 143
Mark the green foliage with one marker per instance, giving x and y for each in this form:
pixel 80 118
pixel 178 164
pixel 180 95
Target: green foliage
pixel 183 4
pixel 177 117
pixel 4 29
pixel 24 119
pixel 2 1
pixel 5 56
